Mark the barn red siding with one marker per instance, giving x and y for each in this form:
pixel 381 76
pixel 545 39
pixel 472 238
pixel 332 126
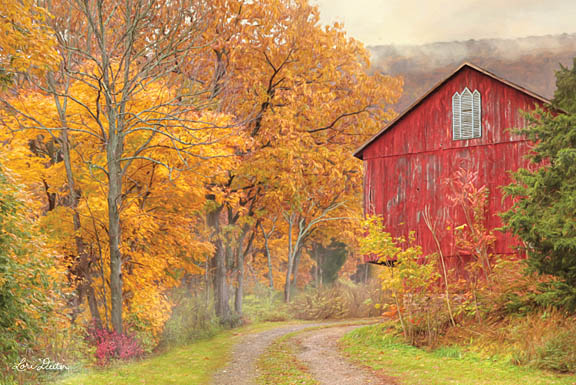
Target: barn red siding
pixel 406 166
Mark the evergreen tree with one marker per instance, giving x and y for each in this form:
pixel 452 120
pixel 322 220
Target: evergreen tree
pixel 544 214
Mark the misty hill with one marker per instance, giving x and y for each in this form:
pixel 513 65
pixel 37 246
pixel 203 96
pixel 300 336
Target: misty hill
pixel 529 62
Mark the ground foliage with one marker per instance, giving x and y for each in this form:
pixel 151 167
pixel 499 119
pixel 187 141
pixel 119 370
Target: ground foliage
pixel 341 300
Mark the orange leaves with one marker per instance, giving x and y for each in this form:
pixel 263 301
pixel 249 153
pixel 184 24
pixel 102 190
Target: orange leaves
pixel 27 42
pixel 308 101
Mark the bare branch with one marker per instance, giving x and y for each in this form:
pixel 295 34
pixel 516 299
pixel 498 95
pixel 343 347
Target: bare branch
pixel 331 125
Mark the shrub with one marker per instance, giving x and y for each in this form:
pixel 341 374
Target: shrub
pixel 516 290
pixel 111 345
pixel 544 339
pixel 409 278
pixel 29 283
pixel 319 304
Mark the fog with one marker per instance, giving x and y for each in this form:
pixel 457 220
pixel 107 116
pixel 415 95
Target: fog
pixel 556 47
pixel 377 22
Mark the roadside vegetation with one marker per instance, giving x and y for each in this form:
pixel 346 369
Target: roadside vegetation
pixel 194 344
pixel 380 349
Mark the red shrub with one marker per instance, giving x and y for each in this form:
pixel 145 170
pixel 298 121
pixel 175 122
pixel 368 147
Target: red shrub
pixel 111 345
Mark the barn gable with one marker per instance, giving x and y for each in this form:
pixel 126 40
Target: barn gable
pixel 434 108
pixel 408 163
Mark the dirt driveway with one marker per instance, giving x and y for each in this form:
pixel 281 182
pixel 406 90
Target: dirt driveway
pixel 319 352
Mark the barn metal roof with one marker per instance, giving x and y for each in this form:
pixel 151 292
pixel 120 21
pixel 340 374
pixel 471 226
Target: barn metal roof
pixel 358 152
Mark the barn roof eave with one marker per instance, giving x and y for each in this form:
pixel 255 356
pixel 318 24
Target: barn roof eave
pixel 359 152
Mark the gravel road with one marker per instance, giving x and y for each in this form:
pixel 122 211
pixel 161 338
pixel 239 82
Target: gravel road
pixel 241 370
pixel 319 352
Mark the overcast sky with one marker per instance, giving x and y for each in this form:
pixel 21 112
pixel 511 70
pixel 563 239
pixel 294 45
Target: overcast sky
pixel 422 21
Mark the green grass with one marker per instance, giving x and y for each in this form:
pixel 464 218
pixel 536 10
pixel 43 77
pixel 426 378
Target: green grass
pixel 373 347
pixel 191 364
pixel 280 366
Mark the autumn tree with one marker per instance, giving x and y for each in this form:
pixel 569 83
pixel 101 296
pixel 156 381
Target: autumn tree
pixel 312 194
pixel 131 76
pixel 279 70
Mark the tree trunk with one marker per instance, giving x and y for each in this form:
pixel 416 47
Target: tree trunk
pixel 287 287
pixel 239 288
pixel 269 257
pixel 240 275
pixel 114 202
pixel 93 305
pixel 296 263
pixel 318 269
pixel 221 296
pixel 288 280
pixel 242 253
pixel 221 305
pixel 85 257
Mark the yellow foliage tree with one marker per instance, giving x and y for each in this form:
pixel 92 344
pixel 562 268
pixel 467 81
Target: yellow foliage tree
pixel 306 96
pixel 163 192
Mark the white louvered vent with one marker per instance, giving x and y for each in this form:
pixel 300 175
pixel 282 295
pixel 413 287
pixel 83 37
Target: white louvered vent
pixel 477 114
pixel 466 115
pixel 456 116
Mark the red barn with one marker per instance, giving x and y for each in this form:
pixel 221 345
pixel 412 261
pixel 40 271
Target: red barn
pixel 464 121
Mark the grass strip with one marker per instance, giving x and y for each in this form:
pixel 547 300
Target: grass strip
pixel 372 346
pixel 279 365
pixel 189 364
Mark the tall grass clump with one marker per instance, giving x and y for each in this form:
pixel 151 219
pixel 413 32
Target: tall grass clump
pixel 343 299
pixel 545 340
pixel 263 304
pixel 192 318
